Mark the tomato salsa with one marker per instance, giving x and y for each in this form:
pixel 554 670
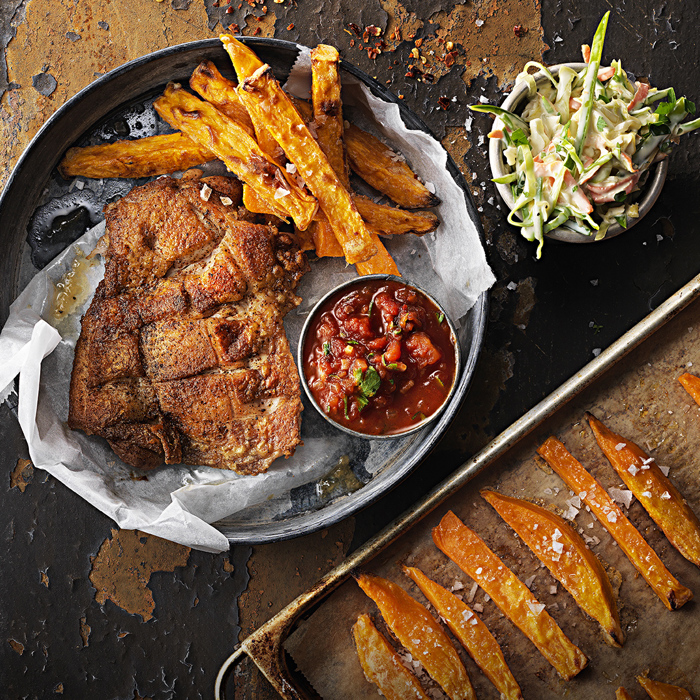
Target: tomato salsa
pixel 379 357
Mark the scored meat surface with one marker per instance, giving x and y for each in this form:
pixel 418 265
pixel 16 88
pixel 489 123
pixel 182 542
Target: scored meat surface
pixel 182 355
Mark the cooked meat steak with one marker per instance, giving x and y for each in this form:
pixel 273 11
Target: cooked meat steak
pixel 182 356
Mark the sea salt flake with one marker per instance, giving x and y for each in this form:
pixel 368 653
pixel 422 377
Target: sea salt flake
pixel 487 597
pixel 512 286
pixel 478 607
pixel 472 593
pixel 558 547
pixel 79 184
pixel 596 351
pixel 665 496
pixel 536 608
pixel 290 168
pixel 623 496
pixel 205 192
pixel 582 495
pixel 528 581
pixel 548 491
pixel 226 201
pixel 553 590
pixel 281 192
pixel 457 586
pixel 620 445
pixel 646 494
pixel 473 622
pixel 556 534
pixel 571 513
pixel 612 516
pixel 479 22
pixel 665 470
pixel 633 469
pixel 478 571
pixel 467 614
pixel 430 187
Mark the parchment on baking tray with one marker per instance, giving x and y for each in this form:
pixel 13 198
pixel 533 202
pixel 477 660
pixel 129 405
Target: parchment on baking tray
pixel 179 503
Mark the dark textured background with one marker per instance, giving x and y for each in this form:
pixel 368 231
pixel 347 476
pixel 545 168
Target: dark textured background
pixel 88 611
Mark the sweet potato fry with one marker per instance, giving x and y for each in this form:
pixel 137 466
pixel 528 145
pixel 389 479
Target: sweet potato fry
pixel 622 694
pixel 382 665
pixel 385 170
pixel 262 95
pixel 246 62
pixel 418 631
pixel 328 108
pixel 153 155
pixel 560 548
pixel 652 489
pixel 381 263
pixel 663 691
pixel 221 92
pixel 241 154
pixel 253 202
pixel 390 221
pixel 325 242
pixel 691 384
pixel 473 634
pixel 510 594
pixel 672 593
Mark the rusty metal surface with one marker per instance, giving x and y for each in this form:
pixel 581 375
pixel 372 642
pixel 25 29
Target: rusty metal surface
pixel 547 318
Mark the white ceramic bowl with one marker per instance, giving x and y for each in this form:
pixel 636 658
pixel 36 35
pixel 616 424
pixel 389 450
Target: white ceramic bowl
pixel 515 102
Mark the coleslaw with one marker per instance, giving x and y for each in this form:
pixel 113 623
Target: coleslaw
pixel 579 151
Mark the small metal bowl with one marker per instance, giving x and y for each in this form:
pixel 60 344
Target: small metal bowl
pixel 515 102
pixel 336 292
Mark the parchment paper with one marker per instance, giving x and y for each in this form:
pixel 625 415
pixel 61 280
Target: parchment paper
pixel 179 503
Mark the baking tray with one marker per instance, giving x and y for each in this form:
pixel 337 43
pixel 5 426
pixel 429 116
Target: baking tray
pixel 306 649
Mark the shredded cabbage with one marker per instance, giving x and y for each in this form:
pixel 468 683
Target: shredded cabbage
pixel 577 151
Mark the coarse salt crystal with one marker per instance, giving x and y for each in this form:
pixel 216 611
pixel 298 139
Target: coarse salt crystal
pixel 535 526
pixel 281 192
pixel 558 547
pixel 548 491
pixel 290 168
pixel 621 496
pixel 620 445
pixel 556 534
pixel 665 496
pixel 596 351
pixel 473 622
pixel 612 516
pixel 430 187
pixel 536 608
pixel 487 597
pixel 590 526
pixel 512 286
pixel 479 22
pixel 478 607
pixel 472 593
pixel 226 201
pixel 457 585
pixel 528 581
pixel 467 614
pixel 552 589
pixel 478 571
pixel 79 184
pixel 646 494
pixel 582 495
pixel 205 192
pixel 571 513
pixel 483 99
pixel 665 470
pixel 633 469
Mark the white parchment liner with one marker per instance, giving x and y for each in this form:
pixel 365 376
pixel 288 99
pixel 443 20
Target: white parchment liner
pixel 179 502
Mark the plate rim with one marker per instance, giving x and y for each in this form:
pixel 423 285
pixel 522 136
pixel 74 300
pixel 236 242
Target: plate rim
pixel 334 511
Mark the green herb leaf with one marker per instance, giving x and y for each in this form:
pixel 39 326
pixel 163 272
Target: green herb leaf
pixel 370 382
pixel 345 402
pixel 439 381
pixel 420 415
pixel 519 138
pixel 362 401
pixel 390 365
pixel 369 310
pixel 622 220
pixel 620 196
pixel 601 124
pixel 326 349
pixel 440 317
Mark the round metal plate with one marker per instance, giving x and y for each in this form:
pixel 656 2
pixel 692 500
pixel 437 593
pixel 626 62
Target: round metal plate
pixel 100 105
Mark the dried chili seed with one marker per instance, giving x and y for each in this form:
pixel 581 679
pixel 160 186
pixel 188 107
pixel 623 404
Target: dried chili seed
pixel 450 59
pixel 444 102
pixel 519 31
pixel 229 10
pixel 373 53
pixel 290 27
pixel 257 31
pixel 419 42
pixel 235 28
pixel 355 28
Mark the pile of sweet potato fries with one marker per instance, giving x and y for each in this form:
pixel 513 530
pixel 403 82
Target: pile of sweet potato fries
pixel 558 547
pixel 293 157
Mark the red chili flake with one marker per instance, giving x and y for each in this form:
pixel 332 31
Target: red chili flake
pixel 519 31
pixel 215 3
pixel 419 42
pixel 428 78
pixel 373 53
pixel 264 10
pixel 412 72
pixel 240 4
pixel 257 31
pixel 290 27
pixel 396 36
pixel 355 28
pixel 229 10
pixel 444 102
pixel 352 42
pixel 235 28
pixel 450 58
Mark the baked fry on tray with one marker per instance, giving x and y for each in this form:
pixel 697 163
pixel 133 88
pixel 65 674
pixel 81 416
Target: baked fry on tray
pixel 511 595
pixel 672 593
pixel 560 548
pixel 382 665
pixel 663 691
pixel 653 489
pixel 472 633
pixel 418 631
